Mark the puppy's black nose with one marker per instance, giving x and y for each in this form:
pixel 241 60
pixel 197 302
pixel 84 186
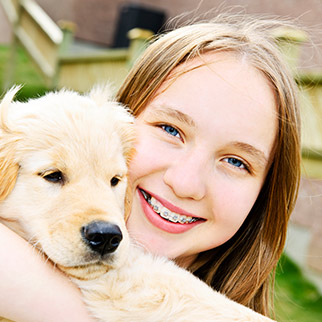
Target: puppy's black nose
pixel 101 236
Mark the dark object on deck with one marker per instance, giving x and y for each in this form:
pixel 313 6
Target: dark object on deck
pixel 136 16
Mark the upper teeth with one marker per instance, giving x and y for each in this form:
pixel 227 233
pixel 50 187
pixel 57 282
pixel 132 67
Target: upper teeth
pixel 165 212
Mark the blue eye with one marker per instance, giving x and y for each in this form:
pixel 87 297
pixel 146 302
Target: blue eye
pixel 235 162
pixel 171 130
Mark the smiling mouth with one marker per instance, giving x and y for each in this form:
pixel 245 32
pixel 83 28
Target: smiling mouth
pixel 165 213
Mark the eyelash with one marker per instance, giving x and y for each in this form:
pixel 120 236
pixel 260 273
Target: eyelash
pixel 243 164
pixel 163 126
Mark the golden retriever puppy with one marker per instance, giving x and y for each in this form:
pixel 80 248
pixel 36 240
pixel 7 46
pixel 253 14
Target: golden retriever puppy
pixel 63 181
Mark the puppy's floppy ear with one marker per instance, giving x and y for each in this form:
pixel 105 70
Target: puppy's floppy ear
pixel 128 201
pixel 128 140
pixel 101 93
pixel 8 166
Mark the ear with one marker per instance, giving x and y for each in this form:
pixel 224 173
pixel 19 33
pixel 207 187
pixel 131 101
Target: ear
pixel 101 93
pixel 8 171
pixel 128 140
pixel 128 201
pixel 8 166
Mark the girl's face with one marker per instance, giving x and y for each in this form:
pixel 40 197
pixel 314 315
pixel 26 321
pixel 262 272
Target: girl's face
pixel 204 147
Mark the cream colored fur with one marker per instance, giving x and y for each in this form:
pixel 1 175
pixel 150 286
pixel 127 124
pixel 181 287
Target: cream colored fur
pixel 89 139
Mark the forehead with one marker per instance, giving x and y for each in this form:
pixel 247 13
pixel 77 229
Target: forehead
pixel 100 156
pixel 70 139
pixel 222 79
pixel 233 69
pixel 225 96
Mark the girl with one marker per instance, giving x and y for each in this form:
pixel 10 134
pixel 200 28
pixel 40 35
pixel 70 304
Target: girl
pixel 216 172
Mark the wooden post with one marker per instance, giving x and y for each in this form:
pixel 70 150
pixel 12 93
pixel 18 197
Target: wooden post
pixel 138 43
pixel 289 42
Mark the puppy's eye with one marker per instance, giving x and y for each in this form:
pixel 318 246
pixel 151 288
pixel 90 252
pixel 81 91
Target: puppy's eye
pixel 55 177
pixel 115 180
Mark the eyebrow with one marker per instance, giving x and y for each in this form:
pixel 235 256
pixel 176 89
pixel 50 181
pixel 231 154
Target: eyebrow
pixel 173 113
pixel 252 151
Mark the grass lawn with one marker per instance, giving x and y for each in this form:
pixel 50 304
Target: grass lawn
pixel 25 73
pixel 296 299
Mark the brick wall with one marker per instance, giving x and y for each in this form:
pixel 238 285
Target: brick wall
pixel 96 19
pixel 308 214
pixel 5 31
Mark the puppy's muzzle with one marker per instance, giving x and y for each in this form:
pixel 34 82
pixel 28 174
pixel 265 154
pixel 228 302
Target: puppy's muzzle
pixel 102 237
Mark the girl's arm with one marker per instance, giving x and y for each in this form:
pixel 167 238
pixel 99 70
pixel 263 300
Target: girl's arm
pixel 32 290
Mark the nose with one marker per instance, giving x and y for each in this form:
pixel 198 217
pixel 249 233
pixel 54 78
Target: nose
pixel 101 236
pixel 187 176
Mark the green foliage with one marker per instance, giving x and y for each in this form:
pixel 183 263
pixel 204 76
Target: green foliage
pixel 25 73
pixel 296 299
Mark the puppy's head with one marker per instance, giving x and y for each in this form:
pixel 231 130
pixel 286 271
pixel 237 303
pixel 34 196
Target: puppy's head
pixel 66 156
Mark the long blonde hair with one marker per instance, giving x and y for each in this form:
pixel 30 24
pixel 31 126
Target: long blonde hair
pixel 241 268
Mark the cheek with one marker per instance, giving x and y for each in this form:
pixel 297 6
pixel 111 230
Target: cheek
pixel 137 166
pixel 234 203
pixel 148 159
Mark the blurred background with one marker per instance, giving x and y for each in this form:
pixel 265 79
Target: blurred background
pixel 48 44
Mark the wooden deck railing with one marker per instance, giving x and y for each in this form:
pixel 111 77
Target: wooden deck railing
pixel 51 48
pixel 310 86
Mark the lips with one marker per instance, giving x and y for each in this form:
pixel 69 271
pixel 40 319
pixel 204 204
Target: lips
pixel 166 216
